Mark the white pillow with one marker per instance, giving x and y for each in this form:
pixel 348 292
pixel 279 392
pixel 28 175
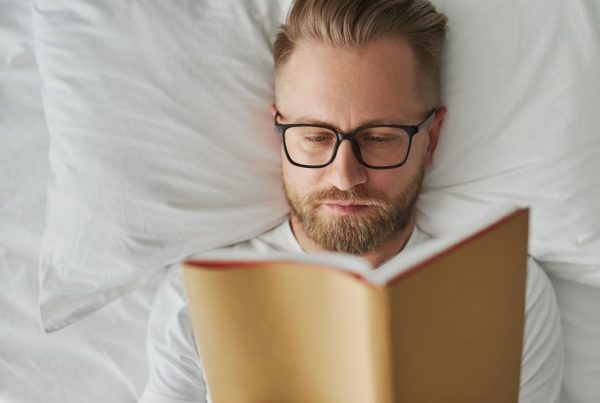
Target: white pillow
pixel 521 82
pixel 162 145
pixel 161 140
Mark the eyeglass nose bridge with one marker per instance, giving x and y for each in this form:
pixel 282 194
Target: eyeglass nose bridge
pixel 351 137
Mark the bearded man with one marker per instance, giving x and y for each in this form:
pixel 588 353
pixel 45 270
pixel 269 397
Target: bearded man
pixel 358 111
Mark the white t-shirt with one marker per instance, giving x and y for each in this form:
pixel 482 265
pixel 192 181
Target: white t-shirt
pixel 176 374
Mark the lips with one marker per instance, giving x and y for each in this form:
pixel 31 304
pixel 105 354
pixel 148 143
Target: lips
pixel 345 207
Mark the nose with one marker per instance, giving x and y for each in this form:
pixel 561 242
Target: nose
pixel 345 171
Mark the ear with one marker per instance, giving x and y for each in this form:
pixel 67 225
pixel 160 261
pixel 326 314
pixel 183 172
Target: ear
pixel 434 133
pixel 273 110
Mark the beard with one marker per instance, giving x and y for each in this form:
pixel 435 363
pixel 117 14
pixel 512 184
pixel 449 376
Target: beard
pixel 355 234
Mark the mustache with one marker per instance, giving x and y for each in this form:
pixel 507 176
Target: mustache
pixel 359 194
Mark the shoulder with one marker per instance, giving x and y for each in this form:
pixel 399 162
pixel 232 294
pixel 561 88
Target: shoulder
pixel 543 351
pixel 176 373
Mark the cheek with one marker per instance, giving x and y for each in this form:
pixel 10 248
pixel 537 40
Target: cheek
pixel 300 180
pixel 385 181
pixel 394 182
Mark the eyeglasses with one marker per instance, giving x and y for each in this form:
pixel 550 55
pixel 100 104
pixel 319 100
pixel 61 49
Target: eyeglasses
pixel 375 146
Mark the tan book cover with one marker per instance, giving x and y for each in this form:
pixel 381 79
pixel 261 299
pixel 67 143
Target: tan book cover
pixel 442 322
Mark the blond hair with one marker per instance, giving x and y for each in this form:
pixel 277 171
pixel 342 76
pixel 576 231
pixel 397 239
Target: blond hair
pixel 352 23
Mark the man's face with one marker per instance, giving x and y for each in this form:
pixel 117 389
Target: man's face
pixel 346 207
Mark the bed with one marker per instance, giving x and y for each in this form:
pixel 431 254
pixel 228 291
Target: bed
pixel 86 234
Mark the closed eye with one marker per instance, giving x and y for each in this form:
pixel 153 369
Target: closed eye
pixel 379 139
pixel 317 139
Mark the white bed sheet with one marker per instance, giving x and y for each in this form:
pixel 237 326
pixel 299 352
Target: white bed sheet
pixel 100 359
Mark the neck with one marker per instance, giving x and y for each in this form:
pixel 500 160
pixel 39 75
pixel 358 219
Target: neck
pixel 391 247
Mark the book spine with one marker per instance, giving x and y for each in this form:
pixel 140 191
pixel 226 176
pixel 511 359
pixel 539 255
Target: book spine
pixel 381 346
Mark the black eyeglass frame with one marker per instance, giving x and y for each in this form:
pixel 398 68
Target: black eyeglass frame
pixel 411 130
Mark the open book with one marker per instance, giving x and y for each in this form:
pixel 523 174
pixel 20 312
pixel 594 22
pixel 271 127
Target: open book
pixel 442 322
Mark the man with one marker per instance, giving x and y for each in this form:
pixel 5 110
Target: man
pixel 366 71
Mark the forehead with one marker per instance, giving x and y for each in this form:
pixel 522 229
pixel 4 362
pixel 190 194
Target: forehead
pixel 349 84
